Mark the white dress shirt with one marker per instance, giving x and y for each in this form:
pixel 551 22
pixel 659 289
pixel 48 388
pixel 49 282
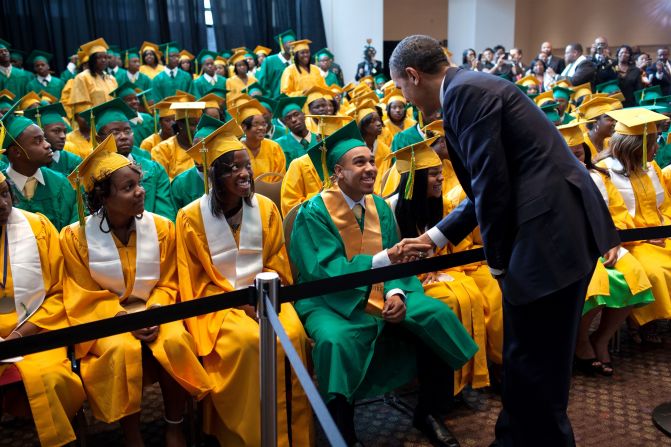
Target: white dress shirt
pixel 20 179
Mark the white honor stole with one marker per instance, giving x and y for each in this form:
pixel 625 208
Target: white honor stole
pixel 26 268
pixel 623 184
pixel 105 264
pixel 238 265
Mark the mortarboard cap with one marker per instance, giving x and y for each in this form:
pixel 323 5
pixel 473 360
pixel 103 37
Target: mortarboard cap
pixel 572 132
pixel 550 110
pixel 13 126
pixel 300 45
pixel 596 106
pixel 324 52
pixel 287 104
pixel 125 89
pixel 28 100
pixel 412 158
pixel 102 162
pixel 112 111
pixel 45 115
pixel 244 110
pixel 559 91
pixel 648 93
pixel 37 55
pixel 608 87
pixel 95 46
pixel 262 50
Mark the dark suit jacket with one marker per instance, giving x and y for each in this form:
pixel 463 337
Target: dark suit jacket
pixel 585 72
pixel 365 69
pixel 557 64
pixel 541 216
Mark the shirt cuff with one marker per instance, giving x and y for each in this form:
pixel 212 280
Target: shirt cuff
pixel 496 272
pixel 381 259
pixel 393 292
pixel 437 237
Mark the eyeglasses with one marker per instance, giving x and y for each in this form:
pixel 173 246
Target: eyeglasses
pixel 127 132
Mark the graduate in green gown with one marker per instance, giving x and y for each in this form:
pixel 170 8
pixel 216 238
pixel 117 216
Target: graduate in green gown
pixel 208 79
pixel 133 74
pixel 37 188
pixel 407 137
pixel 113 117
pixel 324 60
pixel 114 65
pixel 11 78
pixel 143 123
pixel 296 142
pixel 172 78
pixel 70 69
pixel 368 340
pixel 50 119
pixel 270 74
pixel 562 95
pixel 39 61
pixel 662 105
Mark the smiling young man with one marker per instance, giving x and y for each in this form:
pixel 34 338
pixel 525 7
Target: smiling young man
pixel 347 229
pixel 37 188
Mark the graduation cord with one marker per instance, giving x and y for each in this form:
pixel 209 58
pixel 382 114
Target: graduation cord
pixel 4 262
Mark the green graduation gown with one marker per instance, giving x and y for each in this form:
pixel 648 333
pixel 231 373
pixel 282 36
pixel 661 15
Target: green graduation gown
pixel 278 131
pixel 163 85
pixel 201 87
pixel 356 354
pixel 53 87
pixel 156 184
pixel 121 75
pixel 187 187
pixel 142 130
pixel 66 75
pixel 17 82
pixel 67 162
pixel 55 199
pixel 292 149
pixel 332 79
pixel 270 75
pixel 406 137
pixel 143 82
pixel 663 155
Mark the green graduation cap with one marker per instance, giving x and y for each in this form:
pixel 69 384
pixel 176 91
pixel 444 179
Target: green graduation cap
pixel 524 88
pixel 14 125
pixel 286 104
pixel 647 94
pixel 108 112
pixel 4 44
pixel 561 92
pixel 207 125
pixel 114 50
pixel 125 89
pixel 131 53
pixel 608 87
pixel 38 56
pixel 205 55
pixel 5 102
pixel 550 110
pixel 324 52
pixel 659 105
pixel 253 89
pixel 17 55
pixel 336 145
pixel 45 115
pixel 269 103
pixel 286 36
pixel 380 78
pixel 169 48
pixel 226 54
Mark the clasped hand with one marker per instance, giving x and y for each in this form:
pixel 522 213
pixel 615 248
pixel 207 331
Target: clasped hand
pixel 410 249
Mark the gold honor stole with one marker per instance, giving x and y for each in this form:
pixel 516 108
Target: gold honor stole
pixel 26 268
pixel 368 242
pixel 105 263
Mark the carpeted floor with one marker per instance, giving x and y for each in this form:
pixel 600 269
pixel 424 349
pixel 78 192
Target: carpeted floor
pixel 609 412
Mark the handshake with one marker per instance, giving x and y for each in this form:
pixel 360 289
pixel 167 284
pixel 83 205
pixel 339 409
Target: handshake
pixel 410 249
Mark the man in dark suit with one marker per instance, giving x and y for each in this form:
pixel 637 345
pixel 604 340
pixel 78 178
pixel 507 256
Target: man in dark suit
pixel 556 63
pixel 579 69
pixel 542 220
pixel 370 66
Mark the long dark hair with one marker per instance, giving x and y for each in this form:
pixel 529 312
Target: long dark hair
pixel 589 163
pixel 93 64
pixel 298 65
pixel 102 189
pixel 219 169
pixel 420 212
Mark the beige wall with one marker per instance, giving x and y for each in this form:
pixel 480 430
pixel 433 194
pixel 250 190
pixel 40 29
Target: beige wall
pixel 405 17
pixel 633 22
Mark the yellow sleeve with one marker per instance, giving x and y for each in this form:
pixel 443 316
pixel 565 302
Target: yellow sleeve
pixel 665 208
pixel 165 290
pixel 287 82
pixel 160 153
pixel 81 89
pixel 278 160
pixel 293 188
pixel 618 210
pixel 148 143
pixel 275 257
pixel 383 164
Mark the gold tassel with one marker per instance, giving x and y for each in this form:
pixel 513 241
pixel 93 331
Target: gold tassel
pixel 419 117
pixel 410 184
pixel 125 61
pixel 80 201
pixel 3 132
pixel 92 132
pixel 188 128
pixel 196 62
pixel 155 121
pixel 38 117
pixel 206 168
pixel 645 147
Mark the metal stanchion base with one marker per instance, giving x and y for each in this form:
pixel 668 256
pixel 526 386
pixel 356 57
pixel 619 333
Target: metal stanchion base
pixel 661 416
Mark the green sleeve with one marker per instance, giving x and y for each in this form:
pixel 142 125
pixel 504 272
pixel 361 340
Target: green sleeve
pixel 163 204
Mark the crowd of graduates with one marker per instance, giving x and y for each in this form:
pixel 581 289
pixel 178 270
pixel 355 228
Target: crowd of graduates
pixel 128 183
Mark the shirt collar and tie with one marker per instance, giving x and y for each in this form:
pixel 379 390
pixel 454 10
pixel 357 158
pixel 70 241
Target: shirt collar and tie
pixel 132 77
pixel 358 207
pixel 26 184
pixel 211 79
pixel 172 72
pixel 304 141
pixel 44 80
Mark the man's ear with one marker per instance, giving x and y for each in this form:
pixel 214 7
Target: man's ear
pixel 412 74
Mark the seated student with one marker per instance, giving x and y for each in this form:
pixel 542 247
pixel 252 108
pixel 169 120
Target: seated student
pixel 397 118
pixel 213 104
pixel 172 78
pixel 32 302
pixel 598 133
pixel 36 188
pixel 50 119
pixel 143 123
pixel 305 175
pixel 369 118
pixel 39 62
pixel 171 153
pixel 208 78
pixel 296 142
pixel 94 85
pixel 266 155
pixel 113 118
pixel 210 231
pixel 418 205
pixel 78 141
pixel 164 129
pixel 619 281
pixel 641 185
pixel 119 260
pixel 301 75
pixel 188 186
pixel 366 339
pixel 241 77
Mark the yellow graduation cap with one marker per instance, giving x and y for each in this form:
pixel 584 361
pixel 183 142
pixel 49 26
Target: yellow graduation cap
pixel 183 96
pixel 220 61
pixel 336 89
pixel 238 56
pixel 7 93
pixel 596 106
pixel 394 95
pixel 328 124
pixel 300 45
pixel 543 98
pixel 163 108
pixel 223 140
pixel 95 46
pixel 28 100
pixel 46 96
pixel 102 162
pixel 434 128
pixel 366 96
pixel 365 80
pixel 637 121
pixel 387 86
pixel 185 55
pixel 212 101
pixel 528 80
pixel 246 109
pixel 562 83
pixel 262 50
pixel 235 99
pixel 581 90
pixel 572 132
pixel 151 46
pixel 349 87
pixel 414 157
pixel 187 109
pixel 363 109
pixel 316 92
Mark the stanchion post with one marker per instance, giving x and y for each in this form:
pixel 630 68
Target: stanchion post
pixel 267 284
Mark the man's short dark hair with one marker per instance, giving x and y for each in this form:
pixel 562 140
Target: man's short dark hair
pixel 576 46
pixel 422 53
pixel 499 47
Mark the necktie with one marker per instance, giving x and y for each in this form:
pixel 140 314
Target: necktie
pixel 212 81
pixel 29 188
pixel 45 82
pixel 358 212
pixel 304 143
pixel 172 74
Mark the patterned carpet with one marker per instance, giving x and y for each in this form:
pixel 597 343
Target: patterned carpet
pixel 610 412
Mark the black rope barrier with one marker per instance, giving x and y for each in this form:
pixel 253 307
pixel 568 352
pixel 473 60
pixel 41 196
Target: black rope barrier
pixel 179 311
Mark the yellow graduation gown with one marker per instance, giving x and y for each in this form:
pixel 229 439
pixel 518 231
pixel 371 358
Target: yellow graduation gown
pixel 66 93
pixel 151 72
pixel 92 89
pixel 394 129
pixel 151 141
pixel 386 136
pixel 270 158
pixel 393 179
pixel 228 340
pixel 54 392
pixel 112 366
pixel 172 157
pixel 235 85
pixel 381 151
pixel 300 183
pixel 76 143
pixel 294 82
pixel 489 287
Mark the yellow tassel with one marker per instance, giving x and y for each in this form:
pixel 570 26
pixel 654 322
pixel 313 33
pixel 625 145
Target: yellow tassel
pixel 3 132
pixel 206 168
pixel 38 117
pixel 327 177
pixel 155 121
pixel 196 61
pixel 92 132
pixel 410 184
pixel 188 128
pixel 421 121
pixel 645 147
pixel 125 61
pixel 80 201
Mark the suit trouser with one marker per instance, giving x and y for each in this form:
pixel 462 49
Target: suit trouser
pixel 538 348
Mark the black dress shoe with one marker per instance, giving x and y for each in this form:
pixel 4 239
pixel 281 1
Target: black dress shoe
pixel 434 428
